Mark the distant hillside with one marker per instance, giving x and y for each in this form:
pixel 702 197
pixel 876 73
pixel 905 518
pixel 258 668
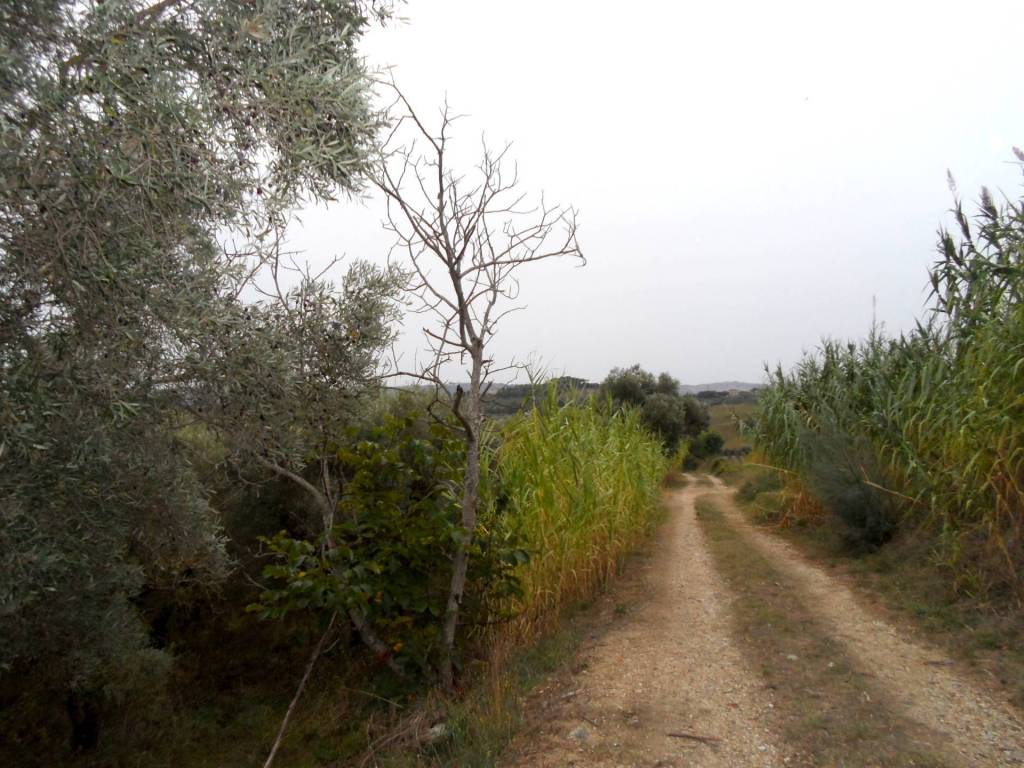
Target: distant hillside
pixel 507 399
pixel 719 386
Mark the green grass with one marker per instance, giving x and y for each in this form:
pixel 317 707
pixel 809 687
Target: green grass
pixel 583 486
pixel 725 420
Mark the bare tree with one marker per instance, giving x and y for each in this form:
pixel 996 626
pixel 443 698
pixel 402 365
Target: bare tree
pixel 465 237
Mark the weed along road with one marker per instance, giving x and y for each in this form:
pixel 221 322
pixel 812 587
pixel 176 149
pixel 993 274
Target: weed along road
pixel 723 647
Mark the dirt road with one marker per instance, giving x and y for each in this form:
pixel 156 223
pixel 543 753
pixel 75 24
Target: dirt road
pixel 725 648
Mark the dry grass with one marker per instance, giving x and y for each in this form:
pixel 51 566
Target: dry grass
pixel 725 420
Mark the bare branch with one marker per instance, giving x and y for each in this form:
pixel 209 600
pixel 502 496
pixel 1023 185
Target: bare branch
pixel 463 239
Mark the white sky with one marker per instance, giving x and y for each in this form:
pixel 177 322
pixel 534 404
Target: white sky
pixel 748 174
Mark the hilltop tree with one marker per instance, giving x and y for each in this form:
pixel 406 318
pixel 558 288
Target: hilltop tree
pixel 136 139
pixel 629 386
pixel 667 385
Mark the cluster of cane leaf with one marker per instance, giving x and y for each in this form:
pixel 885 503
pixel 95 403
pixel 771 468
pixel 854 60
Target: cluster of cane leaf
pixel 939 410
pixel 582 483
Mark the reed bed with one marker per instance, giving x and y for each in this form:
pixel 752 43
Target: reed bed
pixel 582 483
pixel 931 423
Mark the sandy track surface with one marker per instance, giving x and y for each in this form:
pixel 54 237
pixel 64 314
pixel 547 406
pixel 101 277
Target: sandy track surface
pixel 667 665
pixel 660 681
pixel 983 728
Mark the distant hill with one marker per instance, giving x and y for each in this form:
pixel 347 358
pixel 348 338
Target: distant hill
pixel 506 399
pixel 719 386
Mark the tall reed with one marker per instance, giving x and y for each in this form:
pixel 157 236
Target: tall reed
pixel 940 410
pixel 582 483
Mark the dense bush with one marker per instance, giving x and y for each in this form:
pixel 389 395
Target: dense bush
pixel 389 550
pixel 926 429
pixel 707 444
pixel 761 482
pixel 570 488
pixel 670 415
pixel 842 474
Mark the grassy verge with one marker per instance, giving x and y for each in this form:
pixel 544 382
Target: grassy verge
pixel 904 574
pixel 481 724
pixel 725 421
pixel 828 709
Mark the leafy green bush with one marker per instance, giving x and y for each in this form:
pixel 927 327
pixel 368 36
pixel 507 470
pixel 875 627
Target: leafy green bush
pixel 388 552
pixel 707 444
pixel 667 413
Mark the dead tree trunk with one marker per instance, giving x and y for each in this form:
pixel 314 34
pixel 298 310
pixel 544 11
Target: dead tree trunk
pixel 464 240
pixel 470 503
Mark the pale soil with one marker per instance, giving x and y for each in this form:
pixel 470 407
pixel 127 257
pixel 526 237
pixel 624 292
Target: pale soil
pixel 982 727
pixel 667 665
pixel 661 658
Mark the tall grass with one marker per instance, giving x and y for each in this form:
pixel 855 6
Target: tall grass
pixel 582 483
pixel 930 424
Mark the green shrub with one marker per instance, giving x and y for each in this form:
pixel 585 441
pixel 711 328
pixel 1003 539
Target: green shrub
pixel 841 473
pixel 765 481
pixel 389 551
pixel 664 410
pixel 707 444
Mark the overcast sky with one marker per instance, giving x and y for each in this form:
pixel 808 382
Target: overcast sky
pixel 748 174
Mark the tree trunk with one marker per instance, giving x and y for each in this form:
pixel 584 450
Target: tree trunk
pixel 85 726
pixel 470 501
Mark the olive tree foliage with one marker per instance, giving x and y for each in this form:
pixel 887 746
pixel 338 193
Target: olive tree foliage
pixel 284 380
pixel 136 138
pixel 665 411
pixel 281 387
pixel 464 236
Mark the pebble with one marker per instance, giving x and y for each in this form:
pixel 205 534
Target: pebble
pixel 580 734
pixel 437 733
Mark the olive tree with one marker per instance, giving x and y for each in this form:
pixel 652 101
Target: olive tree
pixel 464 237
pixel 283 384
pixel 149 152
pixel 665 411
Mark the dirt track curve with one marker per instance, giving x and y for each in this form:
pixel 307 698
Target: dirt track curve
pixel 663 680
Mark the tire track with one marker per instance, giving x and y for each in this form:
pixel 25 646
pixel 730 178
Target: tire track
pixel 666 664
pixel 928 686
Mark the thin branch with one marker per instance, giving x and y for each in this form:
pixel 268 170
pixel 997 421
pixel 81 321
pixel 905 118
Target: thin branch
pixel 298 692
pixel 299 480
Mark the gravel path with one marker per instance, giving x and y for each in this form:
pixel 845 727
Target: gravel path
pixel 983 728
pixel 666 665
pixel 660 659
